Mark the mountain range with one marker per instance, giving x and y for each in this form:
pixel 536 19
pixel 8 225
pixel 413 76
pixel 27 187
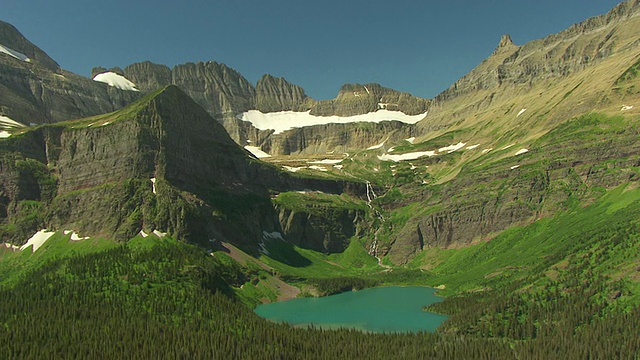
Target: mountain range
pixel 520 175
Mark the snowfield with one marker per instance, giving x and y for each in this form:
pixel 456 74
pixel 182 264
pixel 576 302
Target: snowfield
pixel 15 54
pixel 418 154
pixel 407 156
pixel 115 80
pixel 286 120
pixel 451 148
pixel 374 147
pixel 326 161
pixel 8 122
pixel 257 152
pixel 37 240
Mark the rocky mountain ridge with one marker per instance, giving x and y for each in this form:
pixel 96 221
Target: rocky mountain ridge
pixel 225 93
pixel 38 91
pixel 161 163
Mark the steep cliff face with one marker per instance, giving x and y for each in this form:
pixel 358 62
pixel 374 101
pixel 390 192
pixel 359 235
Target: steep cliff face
pixel 161 163
pixel 224 93
pixel 327 232
pixel 277 94
pixel 321 221
pixel 216 87
pixel 334 138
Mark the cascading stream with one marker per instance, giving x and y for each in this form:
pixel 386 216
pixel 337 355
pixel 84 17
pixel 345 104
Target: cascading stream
pixel 373 248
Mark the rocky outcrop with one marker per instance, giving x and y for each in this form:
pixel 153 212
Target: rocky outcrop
pixel 327 230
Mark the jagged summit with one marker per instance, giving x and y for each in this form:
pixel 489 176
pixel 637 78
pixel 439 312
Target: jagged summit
pixel 11 38
pixel 505 43
pixel 277 94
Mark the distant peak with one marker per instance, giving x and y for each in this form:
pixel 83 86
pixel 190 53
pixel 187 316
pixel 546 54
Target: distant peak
pixel 505 40
pixel 505 43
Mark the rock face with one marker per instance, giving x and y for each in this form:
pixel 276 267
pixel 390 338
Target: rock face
pixel 277 94
pixel 327 231
pixel 335 138
pixel 570 165
pixel 528 72
pixel 216 87
pixel 224 93
pixel 160 164
pixel 10 37
pixel 356 99
pixel 38 91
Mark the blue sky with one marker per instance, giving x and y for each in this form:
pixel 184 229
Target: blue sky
pixel 421 47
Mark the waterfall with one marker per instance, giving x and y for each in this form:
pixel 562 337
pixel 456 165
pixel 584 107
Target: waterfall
pixel 373 248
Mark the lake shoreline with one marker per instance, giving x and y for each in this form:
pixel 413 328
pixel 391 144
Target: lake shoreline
pixel 380 309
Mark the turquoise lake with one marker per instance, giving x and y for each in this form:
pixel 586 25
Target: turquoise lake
pixel 383 309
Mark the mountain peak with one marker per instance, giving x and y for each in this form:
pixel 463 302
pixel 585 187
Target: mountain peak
pixel 505 43
pixel 12 38
pixel 505 40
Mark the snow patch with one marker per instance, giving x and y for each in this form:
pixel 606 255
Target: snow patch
pixel 15 54
pixel 153 185
pixel 37 240
pixel 115 80
pixel 339 167
pixel 374 147
pixel 319 168
pixel 471 147
pixel 407 156
pixel 522 151
pixel 514 167
pixel 292 169
pixel 486 150
pixel 626 107
pixel 257 152
pixel 410 140
pixel 325 161
pixel 143 234
pixel 8 122
pixel 521 112
pixel 451 148
pixel 11 246
pixel 286 120
pixel 159 233
pixel 76 237
pixel 4 134
pixel 506 147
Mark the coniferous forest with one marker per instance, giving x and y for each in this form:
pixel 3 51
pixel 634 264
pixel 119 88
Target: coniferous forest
pixel 172 300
